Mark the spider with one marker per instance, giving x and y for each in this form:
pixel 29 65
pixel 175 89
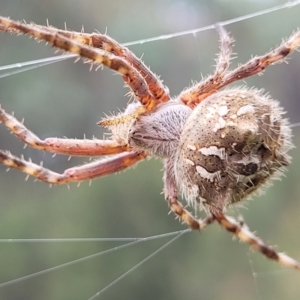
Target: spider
pixel 218 146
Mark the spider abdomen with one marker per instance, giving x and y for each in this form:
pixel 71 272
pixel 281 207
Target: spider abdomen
pixel 232 143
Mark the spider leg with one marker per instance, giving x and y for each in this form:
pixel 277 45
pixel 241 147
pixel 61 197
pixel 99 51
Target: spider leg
pixel 245 235
pixel 106 43
pixel 171 195
pixel 72 147
pixel 178 209
pixel 87 171
pixel 131 75
pixel 194 95
pixel 256 65
pixel 157 89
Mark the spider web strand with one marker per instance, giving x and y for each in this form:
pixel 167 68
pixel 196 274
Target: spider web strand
pixel 30 276
pixel 138 264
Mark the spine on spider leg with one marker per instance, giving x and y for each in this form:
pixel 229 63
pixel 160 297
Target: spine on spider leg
pixel 46 33
pixel 132 77
pixel 258 64
pixel 101 42
pixel 52 37
pixel 187 218
pixel 64 43
pixel 245 235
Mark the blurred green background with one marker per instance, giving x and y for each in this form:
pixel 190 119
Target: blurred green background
pixel 65 99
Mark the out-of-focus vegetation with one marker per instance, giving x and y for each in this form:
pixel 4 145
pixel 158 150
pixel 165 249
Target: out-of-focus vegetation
pixel 65 99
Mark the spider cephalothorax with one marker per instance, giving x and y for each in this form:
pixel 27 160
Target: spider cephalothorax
pixel 218 147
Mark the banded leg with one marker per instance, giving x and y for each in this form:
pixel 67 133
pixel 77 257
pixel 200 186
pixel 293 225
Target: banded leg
pixel 171 195
pixel 257 65
pixel 88 171
pixel 178 209
pixel 254 66
pixel 72 147
pixel 194 95
pixel 106 43
pixel 245 235
pixel 130 75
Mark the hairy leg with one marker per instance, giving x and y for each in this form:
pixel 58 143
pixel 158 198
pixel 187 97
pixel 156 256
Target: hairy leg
pixel 256 65
pixel 87 171
pixel 194 95
pixel 74 147
pixel 130 74
pixel 106 43
pixel 171 195
pixel 245 235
